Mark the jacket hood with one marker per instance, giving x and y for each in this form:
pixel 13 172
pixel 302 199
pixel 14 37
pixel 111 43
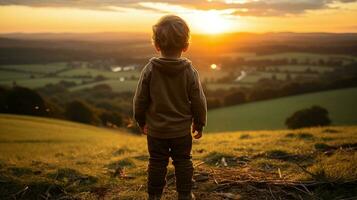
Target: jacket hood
pixel 170 66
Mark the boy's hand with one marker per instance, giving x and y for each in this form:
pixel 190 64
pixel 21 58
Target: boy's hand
pixel 198 133
pixel 144 129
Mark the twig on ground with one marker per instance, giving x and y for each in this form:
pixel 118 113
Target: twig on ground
pixel 21 192
pixel 305 170
pixel 271 193
pixel 198 164
pixel 139 188
pixel 307 190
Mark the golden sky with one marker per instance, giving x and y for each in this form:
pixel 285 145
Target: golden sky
pixel 204 16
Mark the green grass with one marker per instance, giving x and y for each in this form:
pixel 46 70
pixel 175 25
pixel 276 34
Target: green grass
pixel 271 114
pixel 116 85
pixel 224 86
pixel 54 155
pixel 23 78
pixel 303 68
pixel 301 57
pixel 39 82
pixel 97 72
pixel 254 77
pixel 209 74
pixel 10 75
pixel 37 68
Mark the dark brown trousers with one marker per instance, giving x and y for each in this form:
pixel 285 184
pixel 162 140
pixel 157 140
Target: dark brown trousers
pixel 179 149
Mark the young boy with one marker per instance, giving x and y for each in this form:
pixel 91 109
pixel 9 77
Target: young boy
pixel 169 100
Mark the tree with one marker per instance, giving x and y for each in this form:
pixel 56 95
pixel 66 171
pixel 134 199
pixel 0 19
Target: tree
pixel 79 111
pixel 3 99
pixel 213 103
pixel 21 100
pixel 288 77
pixel 236 97
pixel 258 94
pixel 111 119
pixel 314 116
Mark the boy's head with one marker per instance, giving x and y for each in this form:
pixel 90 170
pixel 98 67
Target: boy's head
pixel 171 35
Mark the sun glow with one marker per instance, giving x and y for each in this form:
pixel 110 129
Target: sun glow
pixel 213 66
pixel 203 21
pixel 211 22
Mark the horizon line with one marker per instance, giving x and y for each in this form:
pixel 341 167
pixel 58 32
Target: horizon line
pixel 136 32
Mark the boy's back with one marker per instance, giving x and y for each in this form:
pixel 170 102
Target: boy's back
pixel 170 93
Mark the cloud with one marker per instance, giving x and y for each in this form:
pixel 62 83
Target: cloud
pixel 241 7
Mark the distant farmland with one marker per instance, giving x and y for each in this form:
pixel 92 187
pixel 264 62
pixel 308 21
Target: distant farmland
pixel 271 114
pixel 307 66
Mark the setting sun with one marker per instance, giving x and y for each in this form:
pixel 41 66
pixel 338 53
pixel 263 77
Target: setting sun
pixel 213 66
pixel 202 21
pixel 211 22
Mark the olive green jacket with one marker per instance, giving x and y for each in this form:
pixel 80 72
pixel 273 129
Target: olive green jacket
pixel 169 98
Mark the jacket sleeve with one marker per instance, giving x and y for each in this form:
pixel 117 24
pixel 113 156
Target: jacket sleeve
pixel 141 99
pixel 198 102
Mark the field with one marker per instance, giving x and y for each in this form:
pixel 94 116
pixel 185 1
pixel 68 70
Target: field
pixel 59 159
pixel 95 72
pixel 300 56
pixel 271 114
pixel 35 76
pixel 302 68
pixel 40 82
pixel 37 68
pixel 11 76
pixel 116 85
pixel 38 75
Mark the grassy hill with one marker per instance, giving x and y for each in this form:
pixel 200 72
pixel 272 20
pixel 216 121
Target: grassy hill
pixel 46 158
pixel 271 114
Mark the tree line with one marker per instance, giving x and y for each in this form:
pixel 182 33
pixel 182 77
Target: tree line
pixel 98 106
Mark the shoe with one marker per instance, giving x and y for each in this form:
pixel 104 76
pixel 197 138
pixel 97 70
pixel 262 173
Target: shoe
pixel 186 196
pixel 154 197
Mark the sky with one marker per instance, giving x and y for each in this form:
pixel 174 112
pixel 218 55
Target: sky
pixel 203 16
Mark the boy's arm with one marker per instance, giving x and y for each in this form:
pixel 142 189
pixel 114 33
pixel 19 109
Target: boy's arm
pixel 198 103
pixel 141 98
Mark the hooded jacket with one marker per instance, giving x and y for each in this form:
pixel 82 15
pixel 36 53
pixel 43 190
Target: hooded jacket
pixel 169 98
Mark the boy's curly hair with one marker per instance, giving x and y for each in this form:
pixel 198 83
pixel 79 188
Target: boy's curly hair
pixel 171 34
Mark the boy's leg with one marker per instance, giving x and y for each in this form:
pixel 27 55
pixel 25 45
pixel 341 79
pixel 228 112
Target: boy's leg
pixel 158 161
pixel 181 156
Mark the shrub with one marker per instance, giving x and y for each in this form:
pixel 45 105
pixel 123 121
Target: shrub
pixel 244 136
pixel 322 147
pixel 234 98
pixel 277 154
pixel 213 103
pixel 126 162
pixel 314 116
pixel 306 136
pixel 79 111
pixel 111 119
pixel 20 100
pixel 3 102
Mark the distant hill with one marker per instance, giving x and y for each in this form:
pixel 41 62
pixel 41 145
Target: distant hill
pixel 117 36
pixel 100 36
pixel 134 45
